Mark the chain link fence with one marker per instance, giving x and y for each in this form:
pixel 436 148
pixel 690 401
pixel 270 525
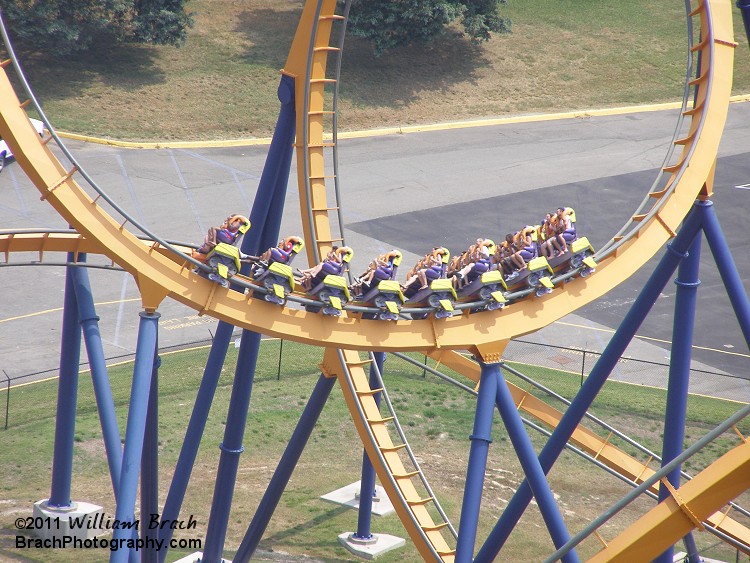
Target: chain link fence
pixel 628 370
pixel 29 396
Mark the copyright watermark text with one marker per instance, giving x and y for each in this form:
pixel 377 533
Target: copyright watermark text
pixel 92 531
pixel 72 542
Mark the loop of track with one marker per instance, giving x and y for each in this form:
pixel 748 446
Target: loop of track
pixel 163 270
pixel 161 275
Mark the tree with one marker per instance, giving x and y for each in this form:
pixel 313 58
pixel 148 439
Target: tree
pixel 395 23
pixel 163 22
pixel 62 27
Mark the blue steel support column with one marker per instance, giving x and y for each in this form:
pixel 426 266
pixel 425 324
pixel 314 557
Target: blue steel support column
pixel 676 251
pixel 530 465
pixel 727 269
pixel 196 426
pixel 150 469
pixel 266 218
pixel 262 234
pixel 285 468
pixel 477 465
pixel 744 6
pixel 231 447
pixel 67 396
pixel 679 378
pixel 367 486
pixel 269 201
pixel 145 353
pixel 102 391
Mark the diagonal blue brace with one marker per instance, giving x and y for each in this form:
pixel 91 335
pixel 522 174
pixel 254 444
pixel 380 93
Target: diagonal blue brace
pixel 231 447
pixel 727 269
pixel 194 432
pixel 676 251
pixel 266 220
pixel 531 467
pixel 285 468
pixel 99 377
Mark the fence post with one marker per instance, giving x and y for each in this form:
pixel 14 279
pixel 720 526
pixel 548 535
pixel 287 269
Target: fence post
pixel 278 370
pixel 7 400
pixel 583 367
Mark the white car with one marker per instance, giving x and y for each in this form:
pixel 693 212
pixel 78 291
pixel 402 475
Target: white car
pixel 5 153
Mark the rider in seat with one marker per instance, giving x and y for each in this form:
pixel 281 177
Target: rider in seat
pixel 551 231
pixel 333 264
pixel 230 232
pixel 429 268
pixel 474 262
pixel 568 217
pixel 382 268
pixel 282 253
pixel 517 249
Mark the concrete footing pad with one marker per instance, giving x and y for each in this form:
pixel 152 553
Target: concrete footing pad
pixel 680 557
pixel 372 547
pixel 349 496
pixel 192 558
pixel 81 520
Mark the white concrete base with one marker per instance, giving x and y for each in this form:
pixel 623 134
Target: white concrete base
pixel 196 558
pixel 370 548
pixel 680 557
pixel 349 496
pixel 192 558
pixel 77 521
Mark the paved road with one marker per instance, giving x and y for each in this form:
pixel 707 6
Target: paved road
pixel 410 191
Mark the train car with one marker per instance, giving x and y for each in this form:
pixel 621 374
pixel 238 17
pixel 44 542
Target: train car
pixel 382 290
pixel 328 285
pixel 274 273
pixel 536 275
pixel 487 287
pixel 438 293
pixel 579 256
pixel 225 261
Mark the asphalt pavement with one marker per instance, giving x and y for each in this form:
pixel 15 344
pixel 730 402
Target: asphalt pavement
pixel 410 191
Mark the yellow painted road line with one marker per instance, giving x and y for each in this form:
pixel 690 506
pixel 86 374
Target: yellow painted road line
pixel 58 309
pixel 611 331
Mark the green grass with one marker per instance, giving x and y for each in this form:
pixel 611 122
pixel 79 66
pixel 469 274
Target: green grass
pixel 438 419
pixel 561 55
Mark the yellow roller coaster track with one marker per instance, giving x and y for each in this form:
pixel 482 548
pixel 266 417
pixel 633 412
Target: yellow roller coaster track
pixel 162 273
pixel 599 448
pixel 401 483
pixel 373 428
pixel 160 276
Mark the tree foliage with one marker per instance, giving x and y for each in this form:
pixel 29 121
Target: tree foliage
pixel 395 23
pixel 62 27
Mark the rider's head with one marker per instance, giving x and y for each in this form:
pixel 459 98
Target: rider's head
pixel 238 223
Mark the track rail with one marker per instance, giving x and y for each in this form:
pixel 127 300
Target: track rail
pixel 599 448
pixel 356 387
pixel 160 276
pixel 402 484
pixel 672 519
pixel 315 151
pixel 163 270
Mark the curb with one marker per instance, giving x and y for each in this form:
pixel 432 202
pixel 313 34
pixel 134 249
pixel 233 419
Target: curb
pixel 394 130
